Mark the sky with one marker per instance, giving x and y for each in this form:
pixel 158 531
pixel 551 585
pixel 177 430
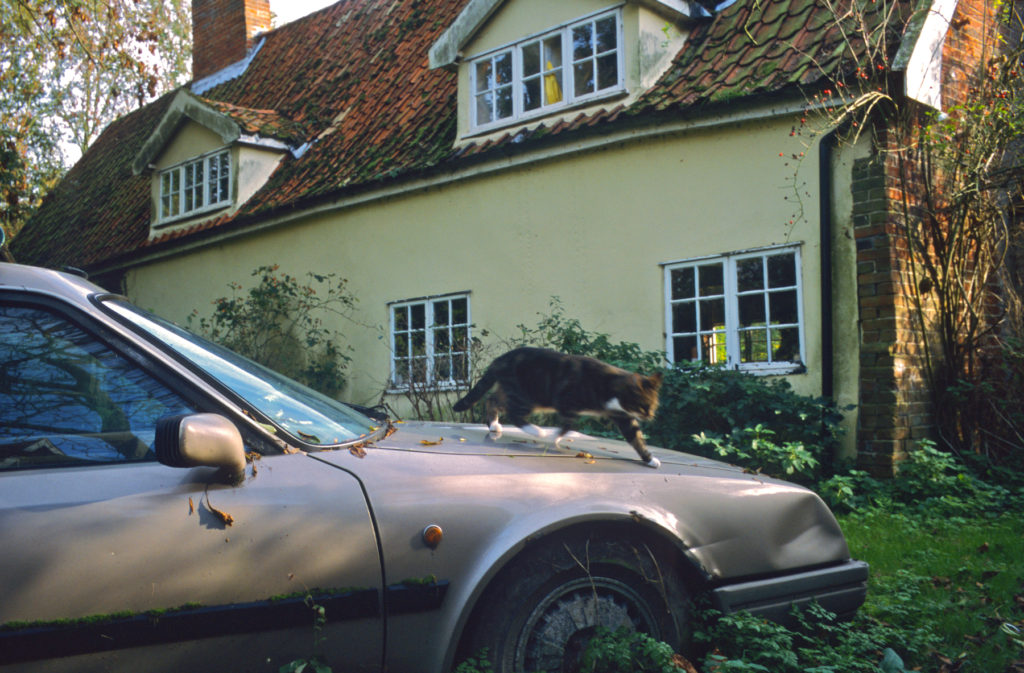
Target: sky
pixel 289 10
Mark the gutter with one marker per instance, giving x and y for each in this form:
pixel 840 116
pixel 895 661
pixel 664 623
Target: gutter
pixel 486 165
pixel 826 149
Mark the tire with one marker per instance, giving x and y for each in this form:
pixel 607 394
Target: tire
pixel 546 605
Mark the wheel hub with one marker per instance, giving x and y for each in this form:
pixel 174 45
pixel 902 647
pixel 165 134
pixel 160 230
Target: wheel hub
pixel 557 631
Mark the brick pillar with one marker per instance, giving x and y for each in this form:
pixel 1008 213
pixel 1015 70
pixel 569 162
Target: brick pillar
pixel 222 32
pixel 895 400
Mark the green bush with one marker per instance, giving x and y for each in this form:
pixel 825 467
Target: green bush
pixel 278 323
pixel 626 651
pixel 930 481
pixel 567 335
pixel 757 422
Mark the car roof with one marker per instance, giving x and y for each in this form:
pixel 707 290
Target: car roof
pixel 57 283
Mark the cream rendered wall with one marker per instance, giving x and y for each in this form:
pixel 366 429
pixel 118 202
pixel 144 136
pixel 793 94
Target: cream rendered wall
pixel 846 314
pixel 592 229
pixel 190 141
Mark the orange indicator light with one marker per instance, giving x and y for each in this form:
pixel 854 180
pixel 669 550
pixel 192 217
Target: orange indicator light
pixel 432 535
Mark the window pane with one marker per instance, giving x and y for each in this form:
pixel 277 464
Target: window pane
pixel 460 339
pixel 442 340
pixel 401 372
pixel 713 348
pixel 553 52
pixel 531 59
pixel 783 307
pixel 583 78
pixel 711 279
pixel 419 343
pixel 582 42
pixel 607 34
pixel 225 176
pixel 503 102
pixel 685 348
pixel 684 317
pixel 752 310
pixel 484 75
pixel 682 283
pixel 503 68
pixel 712 314
pixel 401 345
pixel 531 94
pixel 460 367
pixel 553 87
pixel 786 345
pixel 607 71
pixel 419 370
pixel 750 274
pixel 442 368
pixel 401 314
pixel 441 313
pixel 460 311
pixel 484 103
pixel 419 316
pixel 754 345
pixel 782 270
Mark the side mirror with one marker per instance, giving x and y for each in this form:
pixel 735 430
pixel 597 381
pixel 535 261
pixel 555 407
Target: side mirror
pixel 201 440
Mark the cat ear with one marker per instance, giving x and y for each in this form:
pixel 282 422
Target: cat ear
pixel 653 381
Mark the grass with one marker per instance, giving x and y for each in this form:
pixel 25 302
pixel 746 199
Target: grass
pixel 946 586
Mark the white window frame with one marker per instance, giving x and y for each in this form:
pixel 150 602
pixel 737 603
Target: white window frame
pixel 729 333
pixel 177 183
pixel 566 68
pixel 403 351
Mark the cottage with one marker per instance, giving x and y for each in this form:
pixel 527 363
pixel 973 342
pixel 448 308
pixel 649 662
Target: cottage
pixel 660 166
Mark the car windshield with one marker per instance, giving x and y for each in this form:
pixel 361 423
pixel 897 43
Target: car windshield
pixel 304 413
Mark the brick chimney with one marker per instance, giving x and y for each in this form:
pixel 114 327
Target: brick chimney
pixel 223 30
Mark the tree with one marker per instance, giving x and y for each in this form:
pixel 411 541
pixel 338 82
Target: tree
pixel 955 224
pixel 68 68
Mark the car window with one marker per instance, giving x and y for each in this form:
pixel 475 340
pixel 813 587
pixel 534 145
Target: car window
pixel 66 398
pixel 307 415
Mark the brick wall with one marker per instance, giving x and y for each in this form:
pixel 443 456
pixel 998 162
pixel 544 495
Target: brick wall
pixel 222 32
pixel 895 398
pixel 894 395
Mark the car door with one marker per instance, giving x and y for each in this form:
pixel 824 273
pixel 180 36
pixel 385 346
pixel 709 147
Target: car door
pixel 113 561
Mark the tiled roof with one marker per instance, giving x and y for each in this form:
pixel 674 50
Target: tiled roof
pixel 264 123
pixel 353 80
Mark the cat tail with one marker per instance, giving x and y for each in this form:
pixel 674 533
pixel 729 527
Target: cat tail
pixel 477 391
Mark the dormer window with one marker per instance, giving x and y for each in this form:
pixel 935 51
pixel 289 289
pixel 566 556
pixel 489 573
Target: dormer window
pixel 573 63
pixel 196 186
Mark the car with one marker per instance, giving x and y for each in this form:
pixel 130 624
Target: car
pixel 167 505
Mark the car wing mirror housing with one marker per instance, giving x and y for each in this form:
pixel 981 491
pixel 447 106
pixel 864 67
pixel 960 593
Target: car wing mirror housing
pixel 201 440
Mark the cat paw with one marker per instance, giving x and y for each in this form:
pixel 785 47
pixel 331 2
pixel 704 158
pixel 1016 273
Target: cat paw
pixel 495 429
pixel 532 429
pixel 653 462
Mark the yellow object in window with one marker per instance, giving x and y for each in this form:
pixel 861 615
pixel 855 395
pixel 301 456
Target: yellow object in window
pixel 552 90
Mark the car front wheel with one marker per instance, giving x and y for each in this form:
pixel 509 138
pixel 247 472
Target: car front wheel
pixel 545 607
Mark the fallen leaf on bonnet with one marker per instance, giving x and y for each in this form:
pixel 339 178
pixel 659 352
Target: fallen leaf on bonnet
pixel 583 454
pixel 225 518
pixel 191 506
pixel 358 451
pixel 427 442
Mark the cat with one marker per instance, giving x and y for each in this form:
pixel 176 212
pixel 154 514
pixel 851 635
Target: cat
pixel 527 380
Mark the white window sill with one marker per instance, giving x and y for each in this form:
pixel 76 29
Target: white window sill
pixel 535 117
